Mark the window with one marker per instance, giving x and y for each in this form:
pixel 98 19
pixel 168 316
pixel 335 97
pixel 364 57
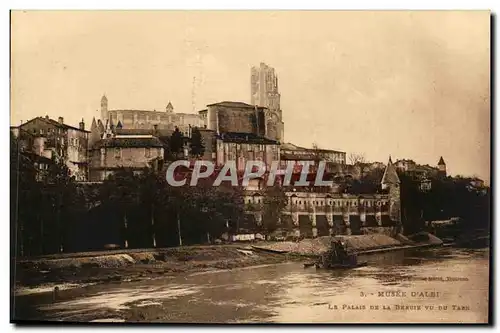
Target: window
pixel 147 152
pixel 118 153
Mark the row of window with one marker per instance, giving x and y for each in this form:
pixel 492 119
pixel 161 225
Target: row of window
pixel 73 142
pixel 258 201
pixel 49 131
pixel 342 203
pixel 42 166
pixel 332 203
pixel 247 147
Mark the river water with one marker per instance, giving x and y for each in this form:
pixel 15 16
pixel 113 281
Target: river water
pixel 443 285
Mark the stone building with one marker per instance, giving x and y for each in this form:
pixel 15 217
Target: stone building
pixel 130 151
pixel 291 152
pixel 55 140
pixel 147 119
pixel 231 116
pixel 312 213
pixel 421 172
pixel 243 147
pixel 25 142
pixel 405 165
pixel 265 93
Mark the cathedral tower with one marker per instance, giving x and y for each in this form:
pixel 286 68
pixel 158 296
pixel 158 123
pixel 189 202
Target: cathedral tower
pixel 104 108
pixel 264 92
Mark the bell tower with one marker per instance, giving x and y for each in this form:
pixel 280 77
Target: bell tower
pixel 104 108
pixel 264 92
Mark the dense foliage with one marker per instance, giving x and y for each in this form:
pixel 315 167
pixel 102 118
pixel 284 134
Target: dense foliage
pixel 448 197
pixel 129 209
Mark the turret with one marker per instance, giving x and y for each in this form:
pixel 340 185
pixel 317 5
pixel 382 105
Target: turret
pixel 100 127
pixel 94 135
pixel 442 166
pixel 169 108
pixel 390 181
pixel 390 177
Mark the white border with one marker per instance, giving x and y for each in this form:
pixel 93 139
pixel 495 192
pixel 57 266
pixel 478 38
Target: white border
pixel 187 4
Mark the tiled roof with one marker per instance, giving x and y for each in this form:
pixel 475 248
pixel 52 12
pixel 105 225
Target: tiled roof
pixel 55 123
pixel 236 105
pixel 441 161
pixel 38 158
pixel 291 146
pixel 294 157
pixel 128 143
pixel 143 131
pixel 238 137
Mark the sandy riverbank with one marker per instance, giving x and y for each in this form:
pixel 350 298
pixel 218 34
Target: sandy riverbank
pixel 42 275
pixel 69 271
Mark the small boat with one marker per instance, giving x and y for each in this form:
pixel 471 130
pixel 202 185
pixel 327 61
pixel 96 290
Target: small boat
pixel 338 257
pixel 344 266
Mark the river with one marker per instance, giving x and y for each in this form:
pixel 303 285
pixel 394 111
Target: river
pixel 443 285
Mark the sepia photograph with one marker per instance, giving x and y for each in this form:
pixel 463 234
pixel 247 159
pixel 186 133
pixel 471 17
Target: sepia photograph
pixel 250 166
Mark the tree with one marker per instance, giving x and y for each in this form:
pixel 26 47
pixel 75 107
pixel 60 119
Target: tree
pixel 205 212
pixel 275 202
pixel 60 187
pixel 176 146
pixel 197 146
pixel 357 158
pixel 23 190
pixel 120 193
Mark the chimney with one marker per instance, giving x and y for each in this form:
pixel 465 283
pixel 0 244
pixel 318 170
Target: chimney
pixel 61 120
pixel 82 125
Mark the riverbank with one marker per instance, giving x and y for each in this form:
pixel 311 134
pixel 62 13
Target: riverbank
pixel 43 274
pixel 72 270
pixel 360 244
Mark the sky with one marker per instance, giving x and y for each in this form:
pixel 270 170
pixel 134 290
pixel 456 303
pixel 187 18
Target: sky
pixel 407 84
